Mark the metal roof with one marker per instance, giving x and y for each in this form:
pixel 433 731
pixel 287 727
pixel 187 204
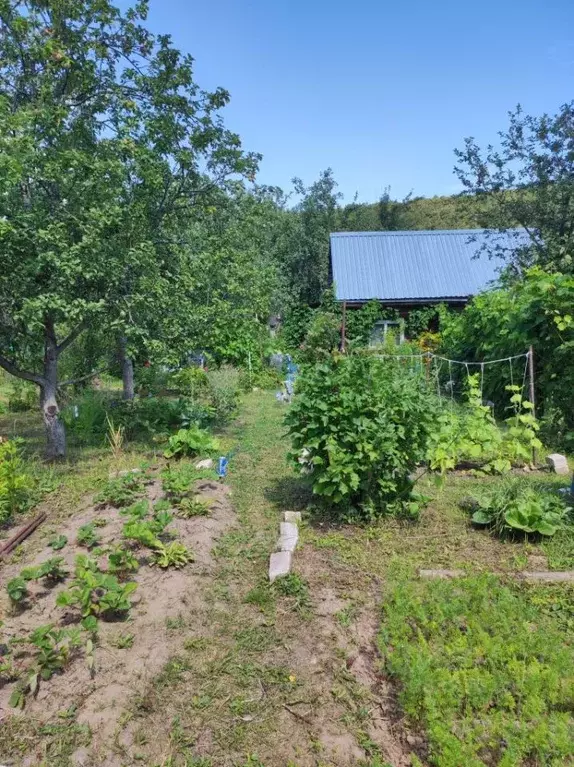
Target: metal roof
pixel 414 265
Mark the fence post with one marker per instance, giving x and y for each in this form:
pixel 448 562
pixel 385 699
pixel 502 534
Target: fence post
pixel 532 396
pixel 344 328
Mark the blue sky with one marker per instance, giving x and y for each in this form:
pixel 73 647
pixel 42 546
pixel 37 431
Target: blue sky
pixel 381 92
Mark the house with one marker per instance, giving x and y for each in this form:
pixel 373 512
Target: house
pixel 408 270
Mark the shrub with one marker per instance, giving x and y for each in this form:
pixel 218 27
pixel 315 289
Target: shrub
pixel 16 487
pixel 359 425
pixel 23 396
pixel 85 418
pixel 322 338
pixel 223 393
pixel 514 507
pixel 484 672
pixel 192 441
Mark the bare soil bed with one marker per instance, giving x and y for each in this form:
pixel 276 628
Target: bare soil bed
pixel 100 699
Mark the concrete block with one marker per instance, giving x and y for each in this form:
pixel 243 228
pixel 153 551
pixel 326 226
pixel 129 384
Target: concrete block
pixel 552 576
pixel 558 463
pixel 207 463
pixel 288 537
pixel 280 565
pixel 292 516
pixel 441 574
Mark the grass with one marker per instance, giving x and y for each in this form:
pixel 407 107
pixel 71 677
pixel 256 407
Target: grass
pixel 486 675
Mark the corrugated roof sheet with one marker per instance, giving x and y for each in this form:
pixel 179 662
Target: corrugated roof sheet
pixel 416 265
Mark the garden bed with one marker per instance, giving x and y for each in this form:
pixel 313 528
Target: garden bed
pixel 129 650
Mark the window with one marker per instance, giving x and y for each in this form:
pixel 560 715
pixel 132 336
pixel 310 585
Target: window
pixel 382 327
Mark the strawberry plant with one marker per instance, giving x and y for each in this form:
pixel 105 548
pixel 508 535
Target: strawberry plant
pixel 122 561
pixel 174 554
pixel 52 650
pixel 52 570
pixel 87 536
pixel 121 492
pixel 96 593
pixel 17 590
pixel 58 542
pixel 142 533
pixel 138 510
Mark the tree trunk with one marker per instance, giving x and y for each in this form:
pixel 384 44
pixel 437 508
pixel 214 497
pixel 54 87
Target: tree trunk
pixel 55 430
pixel 127 369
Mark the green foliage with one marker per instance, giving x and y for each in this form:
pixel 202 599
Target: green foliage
pixel 51 570
pixel 52 648
pixel 122 561
pixel 536 310
pixel 358 426
pixel 514 506
pixel 58 542
pixel 193 507
pixel 22 396
pixel 16 490
pixel 142 532
pixel 87 536
pixel 95 593
pixel 179 481
pixel 481 670
pixel 192 441
pixel 120 492
pixel 322 338
pixel 223 393
pixel 175 554
pixel 296 588
pixel 17 590
pixel 139 510
pixel 520 438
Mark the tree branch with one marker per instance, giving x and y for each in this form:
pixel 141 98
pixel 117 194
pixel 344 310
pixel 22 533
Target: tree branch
pixel 9 367
pixel 72 337
pixel 74 381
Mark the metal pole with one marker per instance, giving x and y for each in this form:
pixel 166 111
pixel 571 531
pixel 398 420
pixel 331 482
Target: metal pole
pixel 532 396
pixel 344 328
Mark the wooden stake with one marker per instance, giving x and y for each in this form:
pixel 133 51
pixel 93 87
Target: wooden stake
pixel 532 396
pixel 344 328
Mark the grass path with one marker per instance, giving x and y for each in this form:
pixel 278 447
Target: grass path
pixel 264 679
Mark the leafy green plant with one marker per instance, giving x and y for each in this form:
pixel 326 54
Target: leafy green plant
pixel 359 425
pixel 87 536
pixel 520 439
pixel 161 519
pixel 123 641
pixel 193 507
pixel 121 492
pixel 122 561
pixel 515 507
pixel 192 441
pixel 96 593
pixel 17 590
pixel 179 482
pixel 52 570
pixel 16 488
pixel 52 649
pixel 175 554
pixel 58 542
pixel 138 510
pixel 142 532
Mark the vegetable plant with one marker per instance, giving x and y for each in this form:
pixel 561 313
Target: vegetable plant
pixel 52 649
pixel 516 507
pixel 58 542
pixel 175 554
pixel 192 441
pixel 95 592
pixel 122 561
pixel 52 570
pixel 137 510
pixel 141 532
pixel 121 492
pixel 87 536
pixel 193 507
pixel 17 590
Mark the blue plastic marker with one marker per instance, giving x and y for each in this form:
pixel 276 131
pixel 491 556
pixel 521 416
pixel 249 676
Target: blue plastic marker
pixel 222 466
